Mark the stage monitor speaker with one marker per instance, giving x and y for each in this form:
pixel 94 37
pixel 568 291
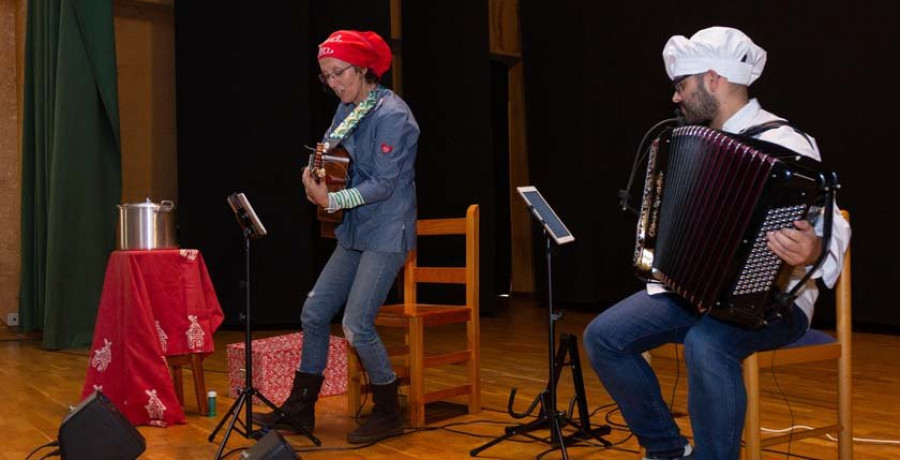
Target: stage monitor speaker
pixel 271 447
pixel 96 429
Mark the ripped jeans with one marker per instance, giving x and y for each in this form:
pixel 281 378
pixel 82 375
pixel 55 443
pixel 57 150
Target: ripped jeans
pixel 360 280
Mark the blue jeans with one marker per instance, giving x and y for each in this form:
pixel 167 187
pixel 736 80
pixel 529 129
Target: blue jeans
pixel 717 401
pixel 361 281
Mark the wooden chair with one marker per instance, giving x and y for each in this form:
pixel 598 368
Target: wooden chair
pixel 415 317
pixel 176 364
pixel 811 347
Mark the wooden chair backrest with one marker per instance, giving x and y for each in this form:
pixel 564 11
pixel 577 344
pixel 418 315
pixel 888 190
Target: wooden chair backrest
pixel 467 275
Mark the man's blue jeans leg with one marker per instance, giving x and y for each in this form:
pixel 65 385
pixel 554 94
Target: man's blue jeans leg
pixel 717 399
pixel 615 339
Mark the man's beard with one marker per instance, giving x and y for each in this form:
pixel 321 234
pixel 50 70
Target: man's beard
pixel 701 109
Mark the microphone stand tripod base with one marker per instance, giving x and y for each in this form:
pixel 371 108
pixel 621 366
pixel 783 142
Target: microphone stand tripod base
pixel 245 399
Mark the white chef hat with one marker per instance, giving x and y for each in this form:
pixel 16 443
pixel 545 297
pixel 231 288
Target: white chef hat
pixel 727 51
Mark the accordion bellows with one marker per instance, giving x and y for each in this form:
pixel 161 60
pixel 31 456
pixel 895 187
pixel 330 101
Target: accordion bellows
pixel 709 199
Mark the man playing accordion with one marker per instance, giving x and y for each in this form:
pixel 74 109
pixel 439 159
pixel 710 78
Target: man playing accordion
pixel 711 72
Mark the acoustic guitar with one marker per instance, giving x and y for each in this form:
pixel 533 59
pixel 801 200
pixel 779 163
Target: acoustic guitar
pixel 330 163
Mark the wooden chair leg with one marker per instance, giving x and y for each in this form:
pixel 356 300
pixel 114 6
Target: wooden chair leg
pixel 752 436
pixel 199 383
pixel 474 365
pixel 845 402
pixel 354 382
pixel 416 400
pixel 178 380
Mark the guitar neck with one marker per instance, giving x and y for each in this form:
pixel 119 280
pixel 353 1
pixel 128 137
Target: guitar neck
pixel 317 160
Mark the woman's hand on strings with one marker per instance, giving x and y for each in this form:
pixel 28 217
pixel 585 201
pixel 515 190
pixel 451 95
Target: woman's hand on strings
pixel 316 192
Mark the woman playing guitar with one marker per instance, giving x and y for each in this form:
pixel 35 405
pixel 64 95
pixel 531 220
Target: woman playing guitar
pixel 380 135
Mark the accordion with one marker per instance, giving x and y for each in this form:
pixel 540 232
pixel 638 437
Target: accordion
pixel 709 199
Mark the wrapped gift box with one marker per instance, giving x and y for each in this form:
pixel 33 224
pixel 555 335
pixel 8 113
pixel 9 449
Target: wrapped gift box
pixel 275 361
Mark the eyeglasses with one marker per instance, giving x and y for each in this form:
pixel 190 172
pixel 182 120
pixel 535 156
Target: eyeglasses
pixel 325 76
pixel 679 82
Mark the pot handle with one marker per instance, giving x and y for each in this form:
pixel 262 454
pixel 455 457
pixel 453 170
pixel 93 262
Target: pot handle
pixel 166 205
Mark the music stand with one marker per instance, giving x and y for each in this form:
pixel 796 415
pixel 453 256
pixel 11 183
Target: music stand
pixel 251 228
pixel 549 416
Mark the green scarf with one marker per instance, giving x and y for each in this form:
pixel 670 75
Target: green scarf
pixel 358 113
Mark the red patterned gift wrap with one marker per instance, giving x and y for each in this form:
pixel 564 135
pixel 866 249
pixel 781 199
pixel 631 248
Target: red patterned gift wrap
pixel 275 361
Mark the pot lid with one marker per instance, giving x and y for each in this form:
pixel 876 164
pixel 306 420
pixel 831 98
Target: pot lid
pixel 164 204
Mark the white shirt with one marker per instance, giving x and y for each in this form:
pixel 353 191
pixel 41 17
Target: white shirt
pixel 753 114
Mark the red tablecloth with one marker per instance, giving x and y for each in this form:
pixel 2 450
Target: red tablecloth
pixel 154 304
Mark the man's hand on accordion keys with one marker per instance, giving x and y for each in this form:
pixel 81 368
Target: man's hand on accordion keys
pixel 798 246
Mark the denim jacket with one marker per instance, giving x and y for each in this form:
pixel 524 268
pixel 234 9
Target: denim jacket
pixel 382 149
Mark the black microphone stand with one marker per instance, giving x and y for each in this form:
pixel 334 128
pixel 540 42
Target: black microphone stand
pixel 549 415
pixel 245 399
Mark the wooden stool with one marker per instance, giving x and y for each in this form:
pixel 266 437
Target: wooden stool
pixel 196 361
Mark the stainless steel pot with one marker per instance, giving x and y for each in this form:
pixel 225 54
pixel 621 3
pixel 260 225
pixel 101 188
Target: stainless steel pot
pixel 146 225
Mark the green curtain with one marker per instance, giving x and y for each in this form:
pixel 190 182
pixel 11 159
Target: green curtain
pixel 71 167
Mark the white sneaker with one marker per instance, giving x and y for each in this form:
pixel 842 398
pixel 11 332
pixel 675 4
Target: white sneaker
pixel 687 455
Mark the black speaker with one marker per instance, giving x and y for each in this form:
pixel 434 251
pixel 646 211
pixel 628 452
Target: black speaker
pixel 96 429
pixel 271 447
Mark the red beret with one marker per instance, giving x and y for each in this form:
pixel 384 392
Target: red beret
pixel 363 49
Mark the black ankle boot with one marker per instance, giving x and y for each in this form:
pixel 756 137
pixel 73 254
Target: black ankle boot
pixel 299 407
pixel 386 419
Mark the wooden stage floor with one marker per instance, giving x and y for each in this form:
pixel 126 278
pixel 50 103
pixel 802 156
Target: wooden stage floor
pixel 39 386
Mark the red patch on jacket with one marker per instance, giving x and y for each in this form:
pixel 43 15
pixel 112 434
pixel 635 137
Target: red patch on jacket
pixel 386 148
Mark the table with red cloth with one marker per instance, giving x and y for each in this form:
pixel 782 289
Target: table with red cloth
pixel 154 304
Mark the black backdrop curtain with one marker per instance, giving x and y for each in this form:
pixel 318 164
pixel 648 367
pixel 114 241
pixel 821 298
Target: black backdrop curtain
pixel 447 83
pixel 248 101
pixel 595 82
